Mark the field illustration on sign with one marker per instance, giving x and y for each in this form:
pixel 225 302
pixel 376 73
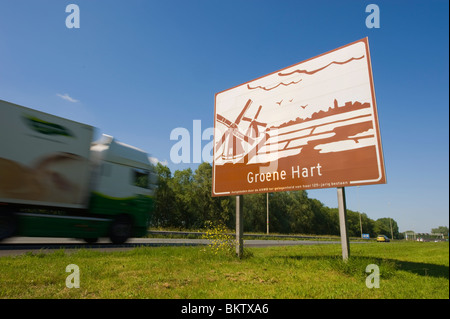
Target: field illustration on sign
pixel 313 123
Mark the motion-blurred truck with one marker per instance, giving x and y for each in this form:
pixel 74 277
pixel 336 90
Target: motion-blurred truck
pixel 56 182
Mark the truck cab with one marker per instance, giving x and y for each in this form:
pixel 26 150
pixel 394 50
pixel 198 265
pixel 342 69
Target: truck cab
pixel 122 187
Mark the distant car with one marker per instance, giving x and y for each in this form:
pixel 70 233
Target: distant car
pixel 383 238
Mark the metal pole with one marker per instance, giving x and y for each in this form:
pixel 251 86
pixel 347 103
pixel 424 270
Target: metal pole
pixel 267 208
pixel 360 224
pixel 360 219
pixel 392 234
pixel 343 223
pixel 239 226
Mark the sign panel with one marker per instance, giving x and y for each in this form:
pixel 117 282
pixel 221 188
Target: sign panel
pixel 311 125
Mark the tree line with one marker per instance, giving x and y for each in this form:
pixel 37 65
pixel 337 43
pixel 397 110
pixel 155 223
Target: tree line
pixel 184 201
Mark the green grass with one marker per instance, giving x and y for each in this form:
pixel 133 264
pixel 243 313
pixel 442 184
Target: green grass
pixel 407 270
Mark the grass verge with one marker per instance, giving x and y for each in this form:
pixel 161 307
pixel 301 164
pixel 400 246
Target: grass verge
pixel 407 270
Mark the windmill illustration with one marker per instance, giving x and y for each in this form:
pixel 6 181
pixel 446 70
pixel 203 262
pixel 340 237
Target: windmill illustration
pixel 236 144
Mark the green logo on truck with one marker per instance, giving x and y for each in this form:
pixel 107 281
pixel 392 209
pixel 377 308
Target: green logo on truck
pixel 46 128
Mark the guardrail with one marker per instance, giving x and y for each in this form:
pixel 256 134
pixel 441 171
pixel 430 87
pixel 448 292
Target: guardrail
pixel 199 234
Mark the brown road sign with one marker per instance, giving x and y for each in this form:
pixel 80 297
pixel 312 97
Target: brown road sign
pixel 311 125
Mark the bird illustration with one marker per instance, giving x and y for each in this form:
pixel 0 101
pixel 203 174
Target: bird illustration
pixel 279 103
pixel 303 106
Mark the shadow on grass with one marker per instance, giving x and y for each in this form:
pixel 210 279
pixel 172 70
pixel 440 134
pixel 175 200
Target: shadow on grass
pixel 423 269
pixel 356 265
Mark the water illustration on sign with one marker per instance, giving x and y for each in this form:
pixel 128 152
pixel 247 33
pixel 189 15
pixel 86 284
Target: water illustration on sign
pixel 320 113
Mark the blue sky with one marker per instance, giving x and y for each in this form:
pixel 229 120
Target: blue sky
pixel 139 69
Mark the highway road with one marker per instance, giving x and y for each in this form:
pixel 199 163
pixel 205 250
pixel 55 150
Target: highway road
pixel 22 245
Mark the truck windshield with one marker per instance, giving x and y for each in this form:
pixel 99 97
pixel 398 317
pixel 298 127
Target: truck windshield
pixel 141 178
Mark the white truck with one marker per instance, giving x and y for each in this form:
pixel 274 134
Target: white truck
pixel 56 182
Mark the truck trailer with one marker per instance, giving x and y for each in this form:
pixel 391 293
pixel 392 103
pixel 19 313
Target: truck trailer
pixel 55 181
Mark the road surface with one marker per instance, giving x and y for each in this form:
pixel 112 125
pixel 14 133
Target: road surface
pixel 22 245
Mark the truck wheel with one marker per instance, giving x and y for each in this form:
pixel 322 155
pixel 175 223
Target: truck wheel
pixel 121 229
pixel 8 225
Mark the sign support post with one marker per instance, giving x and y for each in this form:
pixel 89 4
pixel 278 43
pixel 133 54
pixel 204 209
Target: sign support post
pixel 343 223
pixel 267 209
pixel 239 225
